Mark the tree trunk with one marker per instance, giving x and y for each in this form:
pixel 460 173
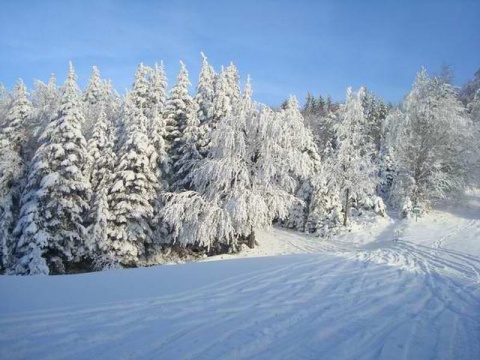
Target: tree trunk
pixel 251 240
pixel 347 206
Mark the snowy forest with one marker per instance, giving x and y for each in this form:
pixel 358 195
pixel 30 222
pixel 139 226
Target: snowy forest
pixel 93 180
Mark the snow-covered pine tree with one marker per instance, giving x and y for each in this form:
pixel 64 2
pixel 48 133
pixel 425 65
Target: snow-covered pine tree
pixel 156 122
pixel 325 210
pixel 102 157
pixel 246 181
pixel 193 142
pixel 221 102
pixel 247 90
pixel 139 99
pixel 309 104
pixel 157 100
pixel 140 94
pixel 4 103
pixel 98 231
pixel 204 101
pixel 205 92
pixel 94 93
pixel 188 151
pixel 386 171
pixel 13 137
pixel 321 122
pixel 55 202
pixel 287 157
pixel 433 142
pixel 375 112
pixel 157 89
pixel 325 205
pixel 227 93
pixel 112 103
pixel 330 105
pixel 45 100
pixel 352 170
pixel 12 171
pixel 386 162
pixel 294 124
pixel 94 98
pixel 222 210
pixel 16 118
pixel 233 80
pixel 179 105
pixel 133 191
pixel 156 104
pixel 98 97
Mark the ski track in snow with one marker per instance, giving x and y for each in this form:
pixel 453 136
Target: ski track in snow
pixel 413 292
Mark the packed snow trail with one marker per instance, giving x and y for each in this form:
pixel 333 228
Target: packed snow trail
pixel 300 306
pixel 394 290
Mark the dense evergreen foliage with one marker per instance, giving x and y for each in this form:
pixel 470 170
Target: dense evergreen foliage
pixel 93 180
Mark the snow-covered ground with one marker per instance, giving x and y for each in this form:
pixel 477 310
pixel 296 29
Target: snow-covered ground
pixel 392 290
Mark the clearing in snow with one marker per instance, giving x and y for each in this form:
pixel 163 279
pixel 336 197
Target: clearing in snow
pixel 392 290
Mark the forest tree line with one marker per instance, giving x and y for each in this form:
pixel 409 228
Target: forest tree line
pixel 91 180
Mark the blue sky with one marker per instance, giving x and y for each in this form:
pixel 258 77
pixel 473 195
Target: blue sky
pixel 288 47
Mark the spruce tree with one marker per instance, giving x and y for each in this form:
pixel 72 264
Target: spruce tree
pixel 101 151
pixel 139 99
pixel 4 104
pixel 352 169
pixel 233 79
pixel 157 100
pixel 133 191
pixel 227 93
pixel 140 94
pixel 94 93
pixel 204 101
pixel 112 103
pixel 13 138
pixel 157 97
pixel 102 155
pixel 309 106
pixel 55 202
pixel 188 150
pixel 46 100
pixel 98 231
pixel 305 184
pixel 179 105
pixel 94 98
pixel 205 93
pixel 16 119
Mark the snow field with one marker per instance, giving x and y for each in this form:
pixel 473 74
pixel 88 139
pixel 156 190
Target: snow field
pixel 394 290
